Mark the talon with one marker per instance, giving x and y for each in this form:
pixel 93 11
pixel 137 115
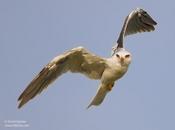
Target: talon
pixel 109 87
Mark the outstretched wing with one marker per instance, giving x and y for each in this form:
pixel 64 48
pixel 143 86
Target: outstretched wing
pixel 136 22
pixel 139 21
pixel 75 60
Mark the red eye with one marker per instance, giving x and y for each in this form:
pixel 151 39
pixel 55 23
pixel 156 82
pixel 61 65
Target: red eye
pixel 127 56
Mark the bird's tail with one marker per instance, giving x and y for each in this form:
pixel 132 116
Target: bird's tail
pixel 99 97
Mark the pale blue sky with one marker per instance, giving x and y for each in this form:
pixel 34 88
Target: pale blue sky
pixel 34 31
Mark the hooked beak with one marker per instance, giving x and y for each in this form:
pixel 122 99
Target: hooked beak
pixel 121 59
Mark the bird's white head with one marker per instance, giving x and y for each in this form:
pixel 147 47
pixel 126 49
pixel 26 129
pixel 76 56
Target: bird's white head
pixel 122 56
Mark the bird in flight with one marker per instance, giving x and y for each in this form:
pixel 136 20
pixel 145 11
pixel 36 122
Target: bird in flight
pixel 80 60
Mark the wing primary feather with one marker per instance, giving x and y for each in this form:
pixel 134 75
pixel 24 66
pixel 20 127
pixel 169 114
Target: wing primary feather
pixel 136 22
pixel 42 80
pixel 77 60
pixel 34 81
pixel 34 87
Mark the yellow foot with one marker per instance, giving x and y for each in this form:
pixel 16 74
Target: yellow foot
pixel 110 86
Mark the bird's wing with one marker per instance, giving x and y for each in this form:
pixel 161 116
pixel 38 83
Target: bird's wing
pixel 139 21
pixel 75 60
pixel 136 22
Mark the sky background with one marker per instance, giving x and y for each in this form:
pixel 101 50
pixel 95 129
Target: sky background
pixel 32 32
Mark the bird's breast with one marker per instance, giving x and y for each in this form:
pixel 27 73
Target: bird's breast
pixel 114 72
pixel 118 72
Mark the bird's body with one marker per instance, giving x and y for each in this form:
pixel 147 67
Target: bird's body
pixel 79 60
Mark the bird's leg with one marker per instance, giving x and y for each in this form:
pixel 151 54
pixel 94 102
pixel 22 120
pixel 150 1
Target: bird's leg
pixel 110 86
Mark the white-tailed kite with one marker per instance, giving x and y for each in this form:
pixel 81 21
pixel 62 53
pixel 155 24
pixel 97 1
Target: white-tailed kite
pixel 79 60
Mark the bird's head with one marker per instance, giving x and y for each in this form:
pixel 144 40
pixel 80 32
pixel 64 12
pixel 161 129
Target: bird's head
pixel 122 56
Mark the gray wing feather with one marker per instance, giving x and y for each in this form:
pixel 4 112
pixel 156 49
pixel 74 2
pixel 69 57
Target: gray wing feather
pixel 75 60
pixel 139 21
pixel 136 22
